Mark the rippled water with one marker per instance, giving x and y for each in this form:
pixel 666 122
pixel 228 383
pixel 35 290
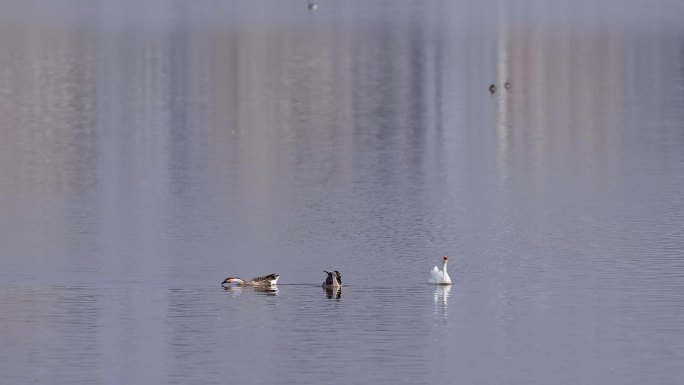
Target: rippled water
pixel 149 149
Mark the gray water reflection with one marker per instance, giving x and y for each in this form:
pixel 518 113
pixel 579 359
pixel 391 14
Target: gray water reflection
pixel 237 290
pixel 147 149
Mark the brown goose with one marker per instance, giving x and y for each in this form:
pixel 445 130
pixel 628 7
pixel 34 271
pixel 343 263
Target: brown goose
pixel 267 280
pixel 334 279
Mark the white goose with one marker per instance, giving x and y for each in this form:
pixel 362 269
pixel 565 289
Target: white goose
pixel 440 277
pixel 267 280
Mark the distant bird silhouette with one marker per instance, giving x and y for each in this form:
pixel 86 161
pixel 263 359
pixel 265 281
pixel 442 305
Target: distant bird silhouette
pixel 492 88
pixel 312 6
pixel 507 85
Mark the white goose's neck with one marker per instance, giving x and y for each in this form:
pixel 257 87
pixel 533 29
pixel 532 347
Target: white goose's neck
pixel 444 266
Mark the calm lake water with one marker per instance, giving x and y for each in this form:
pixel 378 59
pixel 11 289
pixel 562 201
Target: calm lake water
pixel 149 149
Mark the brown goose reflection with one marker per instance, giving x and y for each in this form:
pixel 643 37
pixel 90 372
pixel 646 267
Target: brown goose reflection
pixel 333 292
pixel 264 290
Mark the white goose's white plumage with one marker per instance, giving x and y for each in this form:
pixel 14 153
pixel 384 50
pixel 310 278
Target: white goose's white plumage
pixel 440 277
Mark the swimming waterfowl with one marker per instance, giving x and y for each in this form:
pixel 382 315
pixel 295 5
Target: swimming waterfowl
pixel 266 280
pixel 312 6
pixel 440 277
pixel 334 279
pixel 507 85
pixel 492 88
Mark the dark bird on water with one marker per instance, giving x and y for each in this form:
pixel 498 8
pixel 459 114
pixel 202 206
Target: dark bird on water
pixel 334 279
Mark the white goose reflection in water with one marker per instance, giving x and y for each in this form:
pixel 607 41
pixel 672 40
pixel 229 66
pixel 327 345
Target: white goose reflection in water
pixel 441 298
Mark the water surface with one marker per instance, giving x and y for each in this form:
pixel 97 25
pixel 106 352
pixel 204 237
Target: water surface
pixel 149 149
